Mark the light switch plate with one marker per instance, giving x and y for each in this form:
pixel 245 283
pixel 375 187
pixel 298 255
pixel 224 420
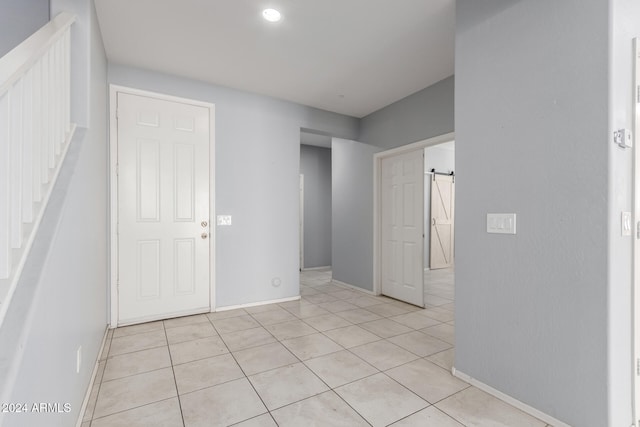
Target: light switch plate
pixel 224 219
pixel 501 223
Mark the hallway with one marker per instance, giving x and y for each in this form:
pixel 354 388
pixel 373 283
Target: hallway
pixel 337 357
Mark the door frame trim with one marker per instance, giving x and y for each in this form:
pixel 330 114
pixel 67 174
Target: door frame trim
pixel 635 326
pixel 113 190
pixel 377 197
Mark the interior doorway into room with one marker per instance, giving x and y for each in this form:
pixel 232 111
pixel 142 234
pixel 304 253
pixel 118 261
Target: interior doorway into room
pixel 404 189
pixel 315 201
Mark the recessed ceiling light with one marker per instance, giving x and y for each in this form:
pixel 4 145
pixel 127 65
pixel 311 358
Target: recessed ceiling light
pixel 271 15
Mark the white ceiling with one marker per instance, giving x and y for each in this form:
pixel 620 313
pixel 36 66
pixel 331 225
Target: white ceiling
pixel 348 56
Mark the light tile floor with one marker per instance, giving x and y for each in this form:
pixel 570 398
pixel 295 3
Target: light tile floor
pixel 337 357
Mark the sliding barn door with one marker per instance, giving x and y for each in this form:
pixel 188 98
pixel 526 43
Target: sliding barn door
pixel 442 207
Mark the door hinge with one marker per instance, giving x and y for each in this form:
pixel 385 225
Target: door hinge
pixel 638 367
pixel 638 230
pixel 638 94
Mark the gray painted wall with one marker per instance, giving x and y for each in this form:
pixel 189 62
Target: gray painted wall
pixel 315 165
pixel 257 181
pixel 532 137
pixel 352 212
pixel 61 301
pixel 422 115
pixel 19 19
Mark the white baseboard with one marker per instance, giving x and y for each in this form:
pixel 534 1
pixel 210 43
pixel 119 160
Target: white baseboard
pixel 326 267
pixel 508 399
pixel 255 304
pixel 357 288
pixel 87 395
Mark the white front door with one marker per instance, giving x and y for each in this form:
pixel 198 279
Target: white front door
pixel 402 195
pixel 163 208
pixel 442 207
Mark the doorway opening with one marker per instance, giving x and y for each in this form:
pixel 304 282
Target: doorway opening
pixel 315 201
pixel 413 222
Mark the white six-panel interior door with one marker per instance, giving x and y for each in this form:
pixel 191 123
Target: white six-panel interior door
pixel 163 208
pixel 402 219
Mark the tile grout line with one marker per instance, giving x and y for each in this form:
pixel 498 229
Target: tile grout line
pixel 173 371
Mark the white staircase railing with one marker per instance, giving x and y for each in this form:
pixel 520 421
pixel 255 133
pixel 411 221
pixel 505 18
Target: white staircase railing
pixel 35 130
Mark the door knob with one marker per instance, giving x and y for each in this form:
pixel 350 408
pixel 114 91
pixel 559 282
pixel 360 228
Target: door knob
pixel 204 235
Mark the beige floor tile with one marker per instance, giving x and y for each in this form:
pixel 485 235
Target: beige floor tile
pixel 380 400
pixel 259 359
pixel 247 338
pixel 444 359
pixel 443 331
pixel 359 315
pixel 160 414
pixel 233 324
pixel 272 317
pixel 364 301
pixel 221 405
pixel 259 421
pixel 310 346
pixel 136 363
pixel 190 332
pixel 226 314
pixel 185 320
pixel 197 349
pixel 137 329
pixel 387 310
pixel 439 314
pixel 319 298
pixel 282 386
pixel 308 291
pixel 346 294
pixel 132 343
pixel 205 373
pixel 134 391
pixel 340 368
pixel 351 336
pixel 337 306
pixel 293 304
pixel 477 408
pixel 328 287
pixel 292 329
pixel 429 417
pixel 262 308
pixel 304 311
pixel 383 355
pixel 385 328
pixel 420 344
pixel 327 322
pixel 415 320
pixel 327 407
pixel 427 380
